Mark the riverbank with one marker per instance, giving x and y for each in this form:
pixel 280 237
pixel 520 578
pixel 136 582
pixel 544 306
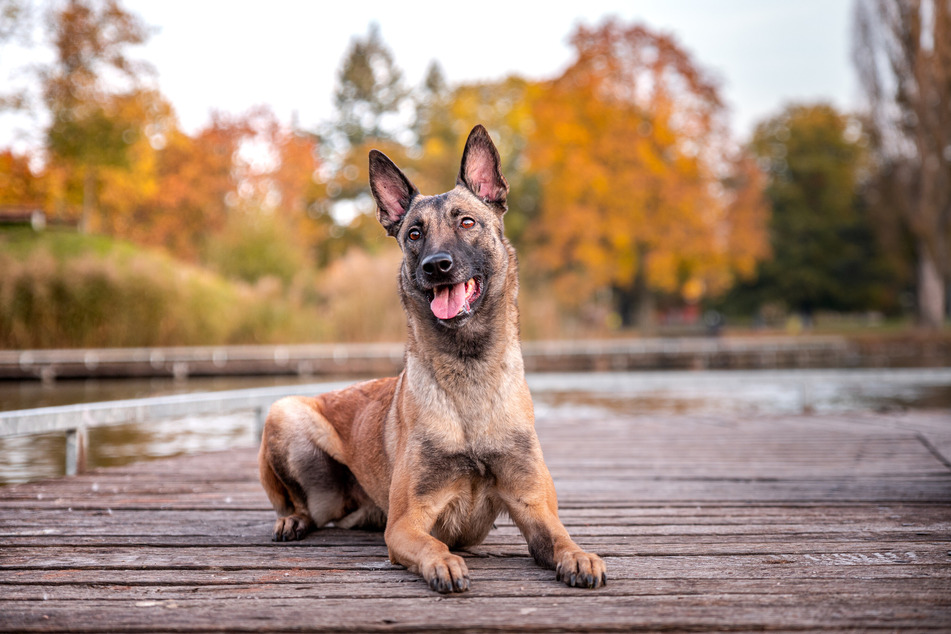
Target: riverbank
pixel 381 359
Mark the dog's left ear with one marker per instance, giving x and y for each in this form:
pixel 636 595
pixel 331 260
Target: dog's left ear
pixel 481 169
pixel 392 191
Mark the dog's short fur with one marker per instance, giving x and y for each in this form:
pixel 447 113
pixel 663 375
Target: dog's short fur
pixel 437 453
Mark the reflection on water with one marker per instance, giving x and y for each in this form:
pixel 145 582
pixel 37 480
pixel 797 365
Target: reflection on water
pixel 766 392
pixel 25 458
pixel 578 396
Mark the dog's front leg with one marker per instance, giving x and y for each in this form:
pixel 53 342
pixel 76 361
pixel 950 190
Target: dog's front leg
pixel 535 511
pixel 410 543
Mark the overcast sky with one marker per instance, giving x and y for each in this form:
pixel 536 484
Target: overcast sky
pixel 234 55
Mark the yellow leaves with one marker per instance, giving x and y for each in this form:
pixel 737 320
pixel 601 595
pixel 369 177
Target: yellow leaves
pixel 629 148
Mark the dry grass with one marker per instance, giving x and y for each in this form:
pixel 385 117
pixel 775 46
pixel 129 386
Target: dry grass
pixel 60 289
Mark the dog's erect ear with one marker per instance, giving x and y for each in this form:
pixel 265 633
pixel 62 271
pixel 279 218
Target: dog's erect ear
pixel 392 191
pixel 481 170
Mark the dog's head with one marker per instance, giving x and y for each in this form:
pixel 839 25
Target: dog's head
pixel 453 243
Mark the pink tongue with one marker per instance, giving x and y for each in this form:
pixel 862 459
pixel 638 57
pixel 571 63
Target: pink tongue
pixel 449 300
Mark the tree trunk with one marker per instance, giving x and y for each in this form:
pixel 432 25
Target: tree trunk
pixel 643 298
pixel 931 289
pixel 635 303
pixel 89 193
pixel 624 298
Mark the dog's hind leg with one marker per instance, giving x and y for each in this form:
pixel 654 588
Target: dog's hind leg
pixel 293 520
pixel 306 485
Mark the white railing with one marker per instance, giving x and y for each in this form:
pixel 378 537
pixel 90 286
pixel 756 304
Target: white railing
pixel 75 420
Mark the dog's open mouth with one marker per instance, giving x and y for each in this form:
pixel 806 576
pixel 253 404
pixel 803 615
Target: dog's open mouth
pixel 452 300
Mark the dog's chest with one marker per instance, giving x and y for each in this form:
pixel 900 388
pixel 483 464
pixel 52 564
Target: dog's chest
pixel 440 467
pixel 466 482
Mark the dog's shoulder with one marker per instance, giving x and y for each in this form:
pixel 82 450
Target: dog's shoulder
pixel 369 399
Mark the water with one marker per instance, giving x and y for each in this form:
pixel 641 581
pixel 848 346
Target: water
pixel 765 392
pixel 579 396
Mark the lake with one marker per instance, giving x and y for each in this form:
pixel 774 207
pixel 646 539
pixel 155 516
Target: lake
pixel 773 393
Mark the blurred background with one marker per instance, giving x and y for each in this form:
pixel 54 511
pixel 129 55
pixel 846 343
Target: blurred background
pixel 195 174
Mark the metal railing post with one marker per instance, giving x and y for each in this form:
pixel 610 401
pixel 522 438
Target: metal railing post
pixel 76 442
pixel 260 415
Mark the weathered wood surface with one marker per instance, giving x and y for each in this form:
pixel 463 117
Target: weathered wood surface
pixel 706 523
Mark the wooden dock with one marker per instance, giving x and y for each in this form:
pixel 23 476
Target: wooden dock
pixel 382 359
pixel 819 523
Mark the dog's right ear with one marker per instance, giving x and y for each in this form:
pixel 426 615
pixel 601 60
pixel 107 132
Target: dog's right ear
pixel 392 191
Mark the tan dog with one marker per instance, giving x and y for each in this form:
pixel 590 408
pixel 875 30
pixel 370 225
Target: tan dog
pixel 437 453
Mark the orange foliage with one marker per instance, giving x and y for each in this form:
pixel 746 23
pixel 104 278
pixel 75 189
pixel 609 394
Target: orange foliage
pixel 636 164
pixel 623 176
pixel 19 186
pixel 178 190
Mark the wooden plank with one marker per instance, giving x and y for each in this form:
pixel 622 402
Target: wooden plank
pixel 76 553
pixel 589 612
pixel 820 523
pixel 137 585
pixel 221 527
pixel 626 557
pixel 764 577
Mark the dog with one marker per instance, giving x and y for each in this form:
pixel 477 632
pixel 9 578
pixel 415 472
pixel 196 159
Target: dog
pixel 436 454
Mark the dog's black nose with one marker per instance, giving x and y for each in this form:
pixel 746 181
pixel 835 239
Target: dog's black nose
pixel 437 263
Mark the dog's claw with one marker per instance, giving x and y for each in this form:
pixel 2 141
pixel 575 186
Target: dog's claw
pixel 443 586
pixel 448 575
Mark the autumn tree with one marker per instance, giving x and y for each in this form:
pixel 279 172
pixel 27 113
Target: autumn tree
pixel 642 190
pixel 271 223
pixel 19 185
pixel 903 55
pixel 503 107
pixel 215 196
pixel 172 189
pixel 825 255
pixel 91 40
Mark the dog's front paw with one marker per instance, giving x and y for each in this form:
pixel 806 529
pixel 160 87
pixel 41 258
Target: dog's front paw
pixel 291 528
pixel 579 569
pixel 447 574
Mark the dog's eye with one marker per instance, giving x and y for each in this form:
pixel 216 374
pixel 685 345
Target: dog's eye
pixel 414 234
pixel 467 223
